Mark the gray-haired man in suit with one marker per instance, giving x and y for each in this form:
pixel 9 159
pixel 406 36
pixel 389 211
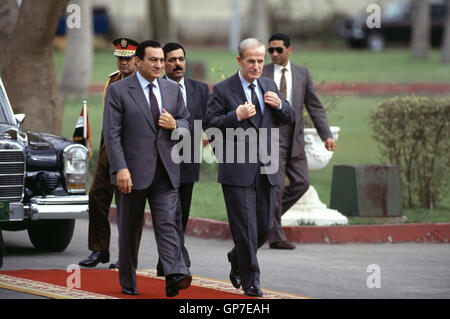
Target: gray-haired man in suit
pixel 248 102
pixel 140 114
pixel 296 86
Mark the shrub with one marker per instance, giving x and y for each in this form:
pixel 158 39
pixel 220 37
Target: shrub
pixel 413 133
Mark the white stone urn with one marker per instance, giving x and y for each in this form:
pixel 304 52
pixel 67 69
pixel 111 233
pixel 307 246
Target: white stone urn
pixel 309 210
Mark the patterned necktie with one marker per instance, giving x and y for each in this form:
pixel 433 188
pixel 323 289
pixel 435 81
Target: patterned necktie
pixel 154 108
pixel 283 86
pixel 255 102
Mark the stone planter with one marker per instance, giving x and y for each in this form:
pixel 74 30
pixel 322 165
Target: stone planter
pixel 309 209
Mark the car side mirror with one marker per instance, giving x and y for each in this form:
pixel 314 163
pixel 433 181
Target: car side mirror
pixel 20 118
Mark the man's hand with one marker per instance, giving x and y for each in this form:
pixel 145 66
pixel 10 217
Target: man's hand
pixel 330 144
pixel 272 99
pixel 124 182
pixel 167 121
pixel 245 111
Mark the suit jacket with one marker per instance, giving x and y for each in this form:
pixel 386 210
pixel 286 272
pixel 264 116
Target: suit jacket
pixel 221 113
pixel 132 139
pixel 303 93
pixel 197 94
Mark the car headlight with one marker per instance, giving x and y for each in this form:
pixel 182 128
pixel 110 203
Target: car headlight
pixel 76 159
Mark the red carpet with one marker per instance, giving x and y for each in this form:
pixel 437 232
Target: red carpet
pixel 53 284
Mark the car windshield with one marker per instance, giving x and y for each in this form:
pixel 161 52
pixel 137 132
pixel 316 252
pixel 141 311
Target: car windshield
pixel 395 10
pixel 6 114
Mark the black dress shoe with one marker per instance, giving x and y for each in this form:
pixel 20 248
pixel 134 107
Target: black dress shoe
pixel 130 291
pixel 282 245
pixel 235 278
pixel 95 258
pixel 175 283
pixel 114 265
pixel 253 292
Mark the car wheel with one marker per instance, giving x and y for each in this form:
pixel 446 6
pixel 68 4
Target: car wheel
pixel 51 235
pixel 375 42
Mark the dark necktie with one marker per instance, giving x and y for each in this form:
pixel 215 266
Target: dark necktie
pixel 283 86
pixel 154 108
pixel 255 102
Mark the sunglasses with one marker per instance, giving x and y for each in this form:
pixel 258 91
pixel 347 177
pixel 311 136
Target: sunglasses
pixel 278 49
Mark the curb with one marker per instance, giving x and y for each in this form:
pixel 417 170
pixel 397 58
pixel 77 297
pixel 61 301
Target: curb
pixel 367 234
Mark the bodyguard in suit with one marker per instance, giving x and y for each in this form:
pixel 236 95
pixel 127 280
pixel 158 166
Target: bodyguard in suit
pixel 247 102
pixel 296 86
pixel 140 114
pixel 195 95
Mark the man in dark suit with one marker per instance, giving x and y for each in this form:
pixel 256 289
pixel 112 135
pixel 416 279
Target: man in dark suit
pixel 296 86
pixel 195 95
pixel 249 103
pixel 140 114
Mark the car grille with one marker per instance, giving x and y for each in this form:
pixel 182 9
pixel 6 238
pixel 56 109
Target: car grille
pixel 12 168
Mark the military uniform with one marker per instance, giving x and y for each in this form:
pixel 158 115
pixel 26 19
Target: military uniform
pixel 102 191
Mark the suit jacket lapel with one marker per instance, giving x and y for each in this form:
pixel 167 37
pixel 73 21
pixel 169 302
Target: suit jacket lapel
pixel 138 95
pixel 190 96
pixel 270 69
pixel 296 82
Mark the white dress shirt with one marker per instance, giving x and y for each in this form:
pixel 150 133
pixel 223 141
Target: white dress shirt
pixel 288 75
pixel 156 91
pixel 248 91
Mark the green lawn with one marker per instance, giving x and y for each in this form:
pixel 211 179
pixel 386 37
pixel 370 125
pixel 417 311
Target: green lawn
pixel 391 65
pixel 355 144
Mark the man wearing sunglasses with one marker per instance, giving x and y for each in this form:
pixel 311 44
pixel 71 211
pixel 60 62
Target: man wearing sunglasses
pixel 296 86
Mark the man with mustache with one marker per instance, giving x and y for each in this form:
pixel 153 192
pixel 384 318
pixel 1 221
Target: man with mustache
pixel 140 114
pixel 247 101
pixel 195 95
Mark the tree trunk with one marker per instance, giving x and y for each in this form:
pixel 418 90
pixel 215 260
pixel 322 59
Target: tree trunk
pixel 9 11
pixel 445 58
pixel 420 29
pixel 260 17
pixel 76 74
pixel 160 21
pixel 28 69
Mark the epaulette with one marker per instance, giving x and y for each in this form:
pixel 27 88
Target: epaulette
pixel 114 73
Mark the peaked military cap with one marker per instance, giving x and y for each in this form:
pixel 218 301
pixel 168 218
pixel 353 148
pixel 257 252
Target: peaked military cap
pixel 124 47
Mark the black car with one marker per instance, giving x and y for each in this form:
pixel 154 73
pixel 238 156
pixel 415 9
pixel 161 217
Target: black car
pixel 396 21
pixel 43 180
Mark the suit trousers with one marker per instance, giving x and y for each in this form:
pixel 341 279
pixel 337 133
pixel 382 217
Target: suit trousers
pixel 183 208
pixel 250 213
pixel 163 201
pixel 294 170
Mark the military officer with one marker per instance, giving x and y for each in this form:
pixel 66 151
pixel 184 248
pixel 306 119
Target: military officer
pixel 101 192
